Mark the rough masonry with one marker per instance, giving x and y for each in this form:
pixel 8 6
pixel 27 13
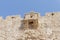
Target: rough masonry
pixel 31 27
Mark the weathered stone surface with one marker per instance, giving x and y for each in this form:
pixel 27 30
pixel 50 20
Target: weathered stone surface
pixel 47 27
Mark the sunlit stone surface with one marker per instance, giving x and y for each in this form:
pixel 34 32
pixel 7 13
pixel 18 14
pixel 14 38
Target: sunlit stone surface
pixel 31 27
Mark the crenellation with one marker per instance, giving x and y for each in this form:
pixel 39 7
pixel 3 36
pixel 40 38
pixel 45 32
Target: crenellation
pixel 32 27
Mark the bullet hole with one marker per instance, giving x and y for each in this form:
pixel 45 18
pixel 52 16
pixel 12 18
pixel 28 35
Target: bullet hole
pixel 52 14
pixel 13 17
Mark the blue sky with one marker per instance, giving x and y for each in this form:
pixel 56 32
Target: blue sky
pixel 13 7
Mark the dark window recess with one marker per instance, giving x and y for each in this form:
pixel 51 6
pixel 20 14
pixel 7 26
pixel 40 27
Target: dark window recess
pixel 31 22
pixel 52 14
pixel 31 25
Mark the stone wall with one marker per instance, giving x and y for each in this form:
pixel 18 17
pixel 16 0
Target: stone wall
pixel 48 29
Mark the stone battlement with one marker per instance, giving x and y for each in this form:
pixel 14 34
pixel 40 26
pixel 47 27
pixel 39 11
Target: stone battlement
pixel 32 27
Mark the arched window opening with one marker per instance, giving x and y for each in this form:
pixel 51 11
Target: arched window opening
pixel 31 25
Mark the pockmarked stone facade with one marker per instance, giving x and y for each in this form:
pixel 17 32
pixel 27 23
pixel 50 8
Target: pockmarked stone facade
pixel 31 27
